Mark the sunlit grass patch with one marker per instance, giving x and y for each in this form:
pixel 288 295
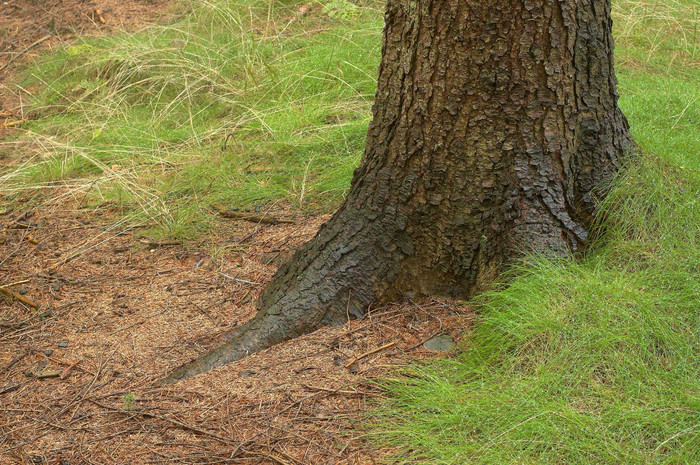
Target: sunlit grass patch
pixel 242 102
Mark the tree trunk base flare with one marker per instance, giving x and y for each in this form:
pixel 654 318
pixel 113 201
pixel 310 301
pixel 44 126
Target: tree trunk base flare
pixel 494 124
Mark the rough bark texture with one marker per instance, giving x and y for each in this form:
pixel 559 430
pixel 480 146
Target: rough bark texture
pixel 494 122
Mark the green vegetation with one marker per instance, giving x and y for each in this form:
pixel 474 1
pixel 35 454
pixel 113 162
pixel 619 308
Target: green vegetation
pixel 254 102
pixel 129 399
pixel 245 103
pixel 595 361
pixel 578 363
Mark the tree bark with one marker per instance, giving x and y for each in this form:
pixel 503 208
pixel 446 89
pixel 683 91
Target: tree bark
pixel 494 124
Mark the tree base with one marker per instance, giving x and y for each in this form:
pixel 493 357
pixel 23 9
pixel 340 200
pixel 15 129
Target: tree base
pixel 492 127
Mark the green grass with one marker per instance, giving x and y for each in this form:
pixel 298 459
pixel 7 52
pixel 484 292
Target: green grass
pixel 576 363
pixel 595 361
pixel 246 103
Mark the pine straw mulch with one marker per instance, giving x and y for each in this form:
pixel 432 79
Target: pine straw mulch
pixel 127 311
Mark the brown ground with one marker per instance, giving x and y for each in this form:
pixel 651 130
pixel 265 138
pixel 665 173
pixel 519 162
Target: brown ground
pixel 25 22
pixel 127 312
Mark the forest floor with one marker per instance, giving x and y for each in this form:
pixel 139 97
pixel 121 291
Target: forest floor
pixel 29 28
pixel 116 313
pixel 97 313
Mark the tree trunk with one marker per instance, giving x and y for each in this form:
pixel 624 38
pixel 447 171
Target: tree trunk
pixel 494 123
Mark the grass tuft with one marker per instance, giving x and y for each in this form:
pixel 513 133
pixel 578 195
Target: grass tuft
pixel 591 362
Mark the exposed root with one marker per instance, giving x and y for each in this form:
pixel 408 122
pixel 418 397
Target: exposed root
pixel 249 339
pixel 265 330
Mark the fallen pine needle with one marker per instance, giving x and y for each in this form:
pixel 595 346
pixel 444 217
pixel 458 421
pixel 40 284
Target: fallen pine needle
pixel 367 354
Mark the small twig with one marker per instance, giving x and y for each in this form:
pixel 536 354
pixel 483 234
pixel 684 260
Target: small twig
pixel 87 387
pixel 239 279
pixel 240 301
pixel 24 216
pixel 158 244
pixel 297 402
pixel 271 457
pixel 14 387
pixel 24 281
pixel 423 341
pixel 292 433
pixel 333 391
pixel 65 372
pixel 64 362
pixel 140 322
pixel 14 361
pixel 21 298
pixel 9 124
pixel 180 424
pixel 367 354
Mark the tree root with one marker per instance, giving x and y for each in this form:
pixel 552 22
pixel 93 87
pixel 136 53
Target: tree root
pixel 265 330
pixel 247 340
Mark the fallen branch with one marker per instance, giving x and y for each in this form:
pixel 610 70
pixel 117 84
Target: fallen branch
pixel 21 298
pixel 249 216
pixel 367 354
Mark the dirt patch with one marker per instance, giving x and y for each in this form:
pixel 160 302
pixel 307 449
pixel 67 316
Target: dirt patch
pixel 128 311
